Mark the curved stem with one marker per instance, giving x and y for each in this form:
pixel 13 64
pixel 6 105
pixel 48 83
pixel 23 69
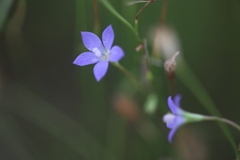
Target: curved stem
pixel 128 74
pixel 227 121
pixel 136 18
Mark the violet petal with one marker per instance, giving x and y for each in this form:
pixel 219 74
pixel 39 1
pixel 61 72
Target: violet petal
pixel 178 120
pixel 91 41
pixel 108 37
pixel 116 54
pixel 86 58
pixel 171 134
pixel 172 105
pixel 100 69
pixel 177 99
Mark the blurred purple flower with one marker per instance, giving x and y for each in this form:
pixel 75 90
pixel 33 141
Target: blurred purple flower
pixel 101 53
pixel 175 119
pixel 178 117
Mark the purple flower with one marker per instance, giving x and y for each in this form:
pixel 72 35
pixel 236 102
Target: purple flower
pixel 174 120
pixel 101 52
pixel 178 117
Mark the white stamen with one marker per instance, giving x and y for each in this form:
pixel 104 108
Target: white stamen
pixel 168 118
pixel 97 52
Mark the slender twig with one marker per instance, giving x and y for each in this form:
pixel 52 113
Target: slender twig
pixel 136 17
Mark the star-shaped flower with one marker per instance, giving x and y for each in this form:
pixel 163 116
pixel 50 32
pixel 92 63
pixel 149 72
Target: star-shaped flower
pixel 178 117
pixel 101 52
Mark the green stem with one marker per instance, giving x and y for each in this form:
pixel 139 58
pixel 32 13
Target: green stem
pixel 136 26
pixel 115 13
pixel 128 74
pixel 227 121
pixel 148 74
pixel 136 17
pixel 187 76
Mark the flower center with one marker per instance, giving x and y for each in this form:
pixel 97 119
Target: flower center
pixel 103 56
pixel 97 52
pixel 168 118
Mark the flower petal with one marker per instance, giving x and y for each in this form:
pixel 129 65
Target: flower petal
pixel 173 107
pixel 171 134
pixel 177 99
pixel 108 37
pixel 91 40
pixel 116 54
pixel 85 59
pixel 178 121
pixel 100 69
pixel 174 129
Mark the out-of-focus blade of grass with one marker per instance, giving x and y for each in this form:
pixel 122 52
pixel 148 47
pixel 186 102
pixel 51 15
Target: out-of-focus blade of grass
pixel 25 104
pixel 116 136
pixel 9 135
pixel 4 8
pixel 190 80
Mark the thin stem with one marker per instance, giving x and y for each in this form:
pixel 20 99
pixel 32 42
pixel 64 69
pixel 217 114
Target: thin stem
pixel 136 26
pixel 128 74
pixel 163 14
pixel 148 76
pixel 114 12
pixel 96 17
pixel 146 52
pixel 171 77
pixel 227 121
pixel 231 123
pixel 136 17
pixel 155 51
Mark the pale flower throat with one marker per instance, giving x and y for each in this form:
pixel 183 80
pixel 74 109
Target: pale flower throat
pixel 168 118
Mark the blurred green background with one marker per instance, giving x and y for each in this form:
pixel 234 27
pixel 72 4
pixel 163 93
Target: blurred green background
pixel 51 109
